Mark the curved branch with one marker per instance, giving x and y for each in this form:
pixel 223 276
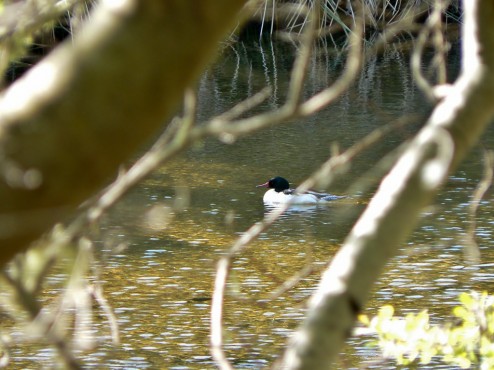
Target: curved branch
pixel 67 125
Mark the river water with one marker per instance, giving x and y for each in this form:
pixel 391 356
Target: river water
pixel 178 222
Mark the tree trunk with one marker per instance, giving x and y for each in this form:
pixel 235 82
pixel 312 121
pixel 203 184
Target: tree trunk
pixel 67 125
pixel 452 129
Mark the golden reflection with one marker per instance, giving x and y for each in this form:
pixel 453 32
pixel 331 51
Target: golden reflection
pixel 158 217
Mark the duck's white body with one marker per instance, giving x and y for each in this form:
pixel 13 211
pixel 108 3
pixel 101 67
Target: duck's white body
pixel 280 193
pixel 283 197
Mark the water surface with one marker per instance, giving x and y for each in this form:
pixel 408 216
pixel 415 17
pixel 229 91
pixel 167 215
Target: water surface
pixel 177 223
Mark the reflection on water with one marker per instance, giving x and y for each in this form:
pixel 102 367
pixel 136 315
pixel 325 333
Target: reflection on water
pixel 179 221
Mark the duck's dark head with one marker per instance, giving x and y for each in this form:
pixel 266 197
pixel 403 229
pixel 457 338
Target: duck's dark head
pixel 277 183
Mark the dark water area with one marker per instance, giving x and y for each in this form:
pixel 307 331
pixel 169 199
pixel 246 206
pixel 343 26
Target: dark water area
pixel 178 222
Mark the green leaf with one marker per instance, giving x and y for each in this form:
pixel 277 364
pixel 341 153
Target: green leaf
pixel 386 311
pixel 364 319
pixel 466 299
pixel 461 312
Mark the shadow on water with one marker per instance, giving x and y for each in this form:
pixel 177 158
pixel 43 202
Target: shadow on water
pixel 160 285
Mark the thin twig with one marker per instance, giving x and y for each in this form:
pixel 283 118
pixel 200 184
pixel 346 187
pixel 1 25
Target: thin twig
pixel 324 176
pixel 432 26
pixel 243 107
pixel 223 268
pixel 293 281
pixel 97 292
pixel 171 142
pixel 217 351
pixel 299 71
pixel 472 250
pixel 352 67
pixel 438 40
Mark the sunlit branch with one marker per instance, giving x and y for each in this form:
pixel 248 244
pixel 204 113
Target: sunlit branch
pixel 216 340
pixel 433 27
pixel 452 129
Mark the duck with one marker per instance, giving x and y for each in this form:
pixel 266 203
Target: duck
pixel 280 193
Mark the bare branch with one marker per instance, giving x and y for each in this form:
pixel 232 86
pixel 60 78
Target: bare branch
pixel 472 250
pixel 97 292
pixel 432 26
